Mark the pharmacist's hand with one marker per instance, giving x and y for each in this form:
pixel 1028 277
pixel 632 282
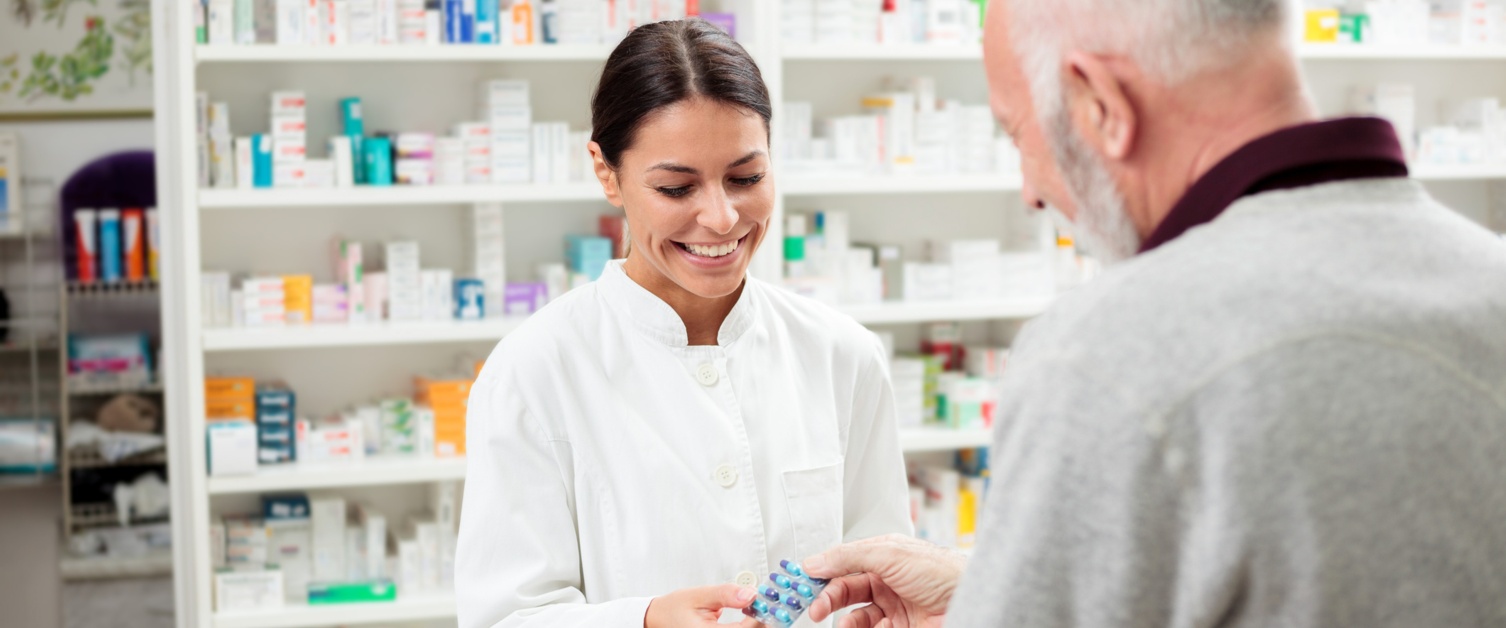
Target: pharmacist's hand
pixel 693 608
pixel 907 583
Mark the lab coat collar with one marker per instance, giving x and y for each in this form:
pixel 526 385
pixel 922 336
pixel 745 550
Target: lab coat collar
pixel 651 315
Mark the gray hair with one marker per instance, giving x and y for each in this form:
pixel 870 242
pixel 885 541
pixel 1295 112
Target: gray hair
pixel 1171 40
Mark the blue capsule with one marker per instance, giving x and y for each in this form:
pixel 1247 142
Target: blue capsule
pixel 770 593
pixel 781 615
pixel 759 606
pixel 805 591
pixel 783 582
pixel 792 568
pixel 794 603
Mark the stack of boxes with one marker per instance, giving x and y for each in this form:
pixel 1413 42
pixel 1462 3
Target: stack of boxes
pixel 505 108
pixel 405 297
pixel 262 302
pixel 438 294
pixel 415 159
pixel 230 410
pixel 451 159
pixel 275 424
pixel 220 145
pixel 298 298
pixel 447 399
pixel 332 440
pixel 975 267
pixel 290 140
pixel 488 255
pixel 476 151
pixel 290 542
pixel 401 429
pixel 552 152
pixel 331 303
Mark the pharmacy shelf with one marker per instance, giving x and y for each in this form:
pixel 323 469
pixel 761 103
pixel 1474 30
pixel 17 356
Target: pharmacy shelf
pixel 919 184
pixel 390 54
pixel 877 52
pixel 414 608
pixel 940 311
pixel 1469 172
pixel 921 439
pixel 397 195
pixel 88 390
pixel 1341 52
pixel 356 335
pixel 372 472
pixel 110 288
pixel 921 52
pixel 103 567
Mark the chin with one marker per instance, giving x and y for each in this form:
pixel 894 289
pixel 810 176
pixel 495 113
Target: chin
pixel 713 287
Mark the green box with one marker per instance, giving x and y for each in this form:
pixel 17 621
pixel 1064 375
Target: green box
pixel 352 592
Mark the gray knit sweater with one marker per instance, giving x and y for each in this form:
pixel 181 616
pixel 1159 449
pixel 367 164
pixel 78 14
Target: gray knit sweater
pixel 1292 416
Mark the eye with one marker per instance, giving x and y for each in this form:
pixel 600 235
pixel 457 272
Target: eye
pixel 678 192
pixel 748 182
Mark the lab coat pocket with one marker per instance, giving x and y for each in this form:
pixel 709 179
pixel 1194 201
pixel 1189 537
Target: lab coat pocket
pixel 814 497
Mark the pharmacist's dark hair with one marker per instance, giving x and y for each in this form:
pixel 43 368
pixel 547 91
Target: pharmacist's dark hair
pixel 664 63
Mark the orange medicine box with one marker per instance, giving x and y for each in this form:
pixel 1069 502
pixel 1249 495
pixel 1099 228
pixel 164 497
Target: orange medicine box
pixel 440 393
pixel 298 298
pixel 449 441
pixel 220 410
pixel 229 388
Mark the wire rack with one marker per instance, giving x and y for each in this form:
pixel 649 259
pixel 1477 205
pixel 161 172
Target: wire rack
pixel 104 515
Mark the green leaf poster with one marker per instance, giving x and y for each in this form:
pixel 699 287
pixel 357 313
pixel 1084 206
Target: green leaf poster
pixel 75 57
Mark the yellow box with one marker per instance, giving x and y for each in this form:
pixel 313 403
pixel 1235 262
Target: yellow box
pixel 229 388
pixel 220 409
pixel 298 298
pixel 1322 26
pixel 449 443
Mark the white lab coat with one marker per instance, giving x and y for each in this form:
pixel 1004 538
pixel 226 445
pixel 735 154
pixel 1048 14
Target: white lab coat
pixel 610 462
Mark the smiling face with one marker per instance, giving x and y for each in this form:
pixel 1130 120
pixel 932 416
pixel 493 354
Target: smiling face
pixel 698 191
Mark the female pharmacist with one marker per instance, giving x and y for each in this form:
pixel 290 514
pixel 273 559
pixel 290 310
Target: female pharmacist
pixel 645 449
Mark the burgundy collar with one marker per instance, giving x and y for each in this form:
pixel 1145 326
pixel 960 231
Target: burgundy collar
pixel 1299 156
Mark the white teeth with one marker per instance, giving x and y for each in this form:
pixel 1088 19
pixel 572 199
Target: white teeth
pixel 712 251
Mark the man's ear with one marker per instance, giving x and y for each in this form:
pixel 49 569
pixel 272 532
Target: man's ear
pixel 1099 105
pixel 605 175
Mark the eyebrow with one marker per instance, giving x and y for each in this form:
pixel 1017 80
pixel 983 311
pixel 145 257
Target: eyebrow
pixel 674 167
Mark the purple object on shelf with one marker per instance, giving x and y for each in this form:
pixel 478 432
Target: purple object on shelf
pixel 724 21
pixel 520 299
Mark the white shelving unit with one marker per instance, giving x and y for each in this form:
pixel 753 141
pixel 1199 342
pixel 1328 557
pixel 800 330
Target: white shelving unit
pixel 404 609
pixel 208 229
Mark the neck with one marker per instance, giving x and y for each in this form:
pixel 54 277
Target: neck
pixel 1218 118
pixel 702 317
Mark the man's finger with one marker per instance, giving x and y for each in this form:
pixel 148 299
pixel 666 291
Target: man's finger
pixel 865 617
pixel 841 593
pixel 876 555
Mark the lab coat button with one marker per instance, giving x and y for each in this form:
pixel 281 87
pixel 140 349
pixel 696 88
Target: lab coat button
pixel 747 579
pixel 726 476
pixel 706 374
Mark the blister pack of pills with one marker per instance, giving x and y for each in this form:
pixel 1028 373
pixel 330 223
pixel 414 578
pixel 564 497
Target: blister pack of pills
pixel 786 596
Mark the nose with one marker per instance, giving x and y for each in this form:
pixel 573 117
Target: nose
pixel 718 214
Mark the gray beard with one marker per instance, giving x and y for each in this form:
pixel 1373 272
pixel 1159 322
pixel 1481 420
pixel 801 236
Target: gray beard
pixel 1103 226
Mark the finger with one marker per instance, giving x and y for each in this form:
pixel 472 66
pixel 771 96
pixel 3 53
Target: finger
pixel 841 593
pixel 868 555
pixel 750 623
pixel 865 617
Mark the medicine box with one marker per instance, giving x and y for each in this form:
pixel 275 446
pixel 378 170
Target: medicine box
pixel 352 592
pixel 248 590
pixel 289 506
pixel 232 447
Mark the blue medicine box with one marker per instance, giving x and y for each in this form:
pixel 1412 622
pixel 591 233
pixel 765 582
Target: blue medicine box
pixel 589 255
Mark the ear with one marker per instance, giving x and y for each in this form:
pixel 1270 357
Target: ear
pixel 1099 104
pixel 605 175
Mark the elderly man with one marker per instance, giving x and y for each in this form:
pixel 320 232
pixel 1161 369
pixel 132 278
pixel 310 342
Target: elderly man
pixel 1285 405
